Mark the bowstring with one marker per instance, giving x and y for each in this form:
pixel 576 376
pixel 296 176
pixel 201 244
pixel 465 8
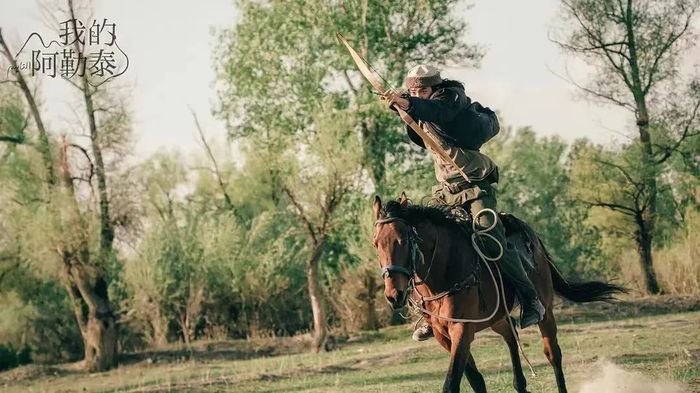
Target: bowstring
pixel 369 66
pixel 386 82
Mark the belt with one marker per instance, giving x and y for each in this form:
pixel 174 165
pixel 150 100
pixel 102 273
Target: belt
pixel 481 187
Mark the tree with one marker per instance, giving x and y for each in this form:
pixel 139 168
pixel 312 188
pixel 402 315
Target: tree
pixel 326 177
pixel 198 266
pixel 282 67
pixel 635 47
pixel 59 223
pixel 263 55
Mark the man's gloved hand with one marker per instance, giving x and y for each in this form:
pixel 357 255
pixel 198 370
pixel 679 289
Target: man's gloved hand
pixel 393 97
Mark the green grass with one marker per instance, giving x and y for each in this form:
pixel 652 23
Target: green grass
pixel 661 347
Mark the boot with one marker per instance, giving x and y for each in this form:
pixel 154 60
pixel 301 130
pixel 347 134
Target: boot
pixel 532 310
pixel 423 333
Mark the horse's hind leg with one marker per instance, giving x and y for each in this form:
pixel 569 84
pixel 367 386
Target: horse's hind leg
pixel 476 380
pixel 519 381
pixel 548 328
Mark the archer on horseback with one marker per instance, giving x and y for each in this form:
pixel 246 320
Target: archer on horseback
pixel 441 107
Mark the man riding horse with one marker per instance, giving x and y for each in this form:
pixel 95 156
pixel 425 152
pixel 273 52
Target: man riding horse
pixel 462 126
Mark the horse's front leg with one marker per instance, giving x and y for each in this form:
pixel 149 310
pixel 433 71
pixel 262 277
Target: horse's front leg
pixel 461 336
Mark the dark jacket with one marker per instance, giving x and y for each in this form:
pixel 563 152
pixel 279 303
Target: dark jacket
pixel 463 127
pixel 448 112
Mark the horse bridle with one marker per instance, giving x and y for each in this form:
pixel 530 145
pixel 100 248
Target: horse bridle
pixel 471 280
pixel 412 244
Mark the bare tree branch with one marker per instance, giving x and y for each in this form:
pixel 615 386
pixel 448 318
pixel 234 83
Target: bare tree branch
pixel 217 172
pixel 592 92
pixel 597 42
pixel 664 49
pixel 300 210
pixel 668 150
pixel 349 82
pixel 12 139
pixel 612 206
pixel 87 156
pixel 636 183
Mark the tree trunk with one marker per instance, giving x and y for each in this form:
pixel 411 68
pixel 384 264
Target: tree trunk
pixel 159 327
pixel 100 342
pixel 374 154
pixel 371 321
pixel 88 294
pixel 643 240
pixel 185 330
pixel 90 297
pixel 647 216
pixel 92 310
pixel 192 311
pixel 106 226
pixel 100 334
pixel 317 307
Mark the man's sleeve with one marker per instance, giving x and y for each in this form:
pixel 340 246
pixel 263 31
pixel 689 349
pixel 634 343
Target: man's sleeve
pixel 415 138
pixel 439 109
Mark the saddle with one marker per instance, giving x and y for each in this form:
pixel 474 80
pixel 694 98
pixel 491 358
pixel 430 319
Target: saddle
pixel 516 235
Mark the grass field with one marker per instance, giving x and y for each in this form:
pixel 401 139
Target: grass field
pixel 662 347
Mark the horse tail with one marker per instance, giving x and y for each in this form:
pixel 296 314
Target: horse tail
pixel 580 292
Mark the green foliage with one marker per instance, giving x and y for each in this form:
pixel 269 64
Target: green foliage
pixel 15 317
pixel 608 181
pixel 10 357
pixel 534 181
pixel 36 316
pixel 229 273
pixel 173 270
pixel 282 59
pixel 13 121
pixel 36 313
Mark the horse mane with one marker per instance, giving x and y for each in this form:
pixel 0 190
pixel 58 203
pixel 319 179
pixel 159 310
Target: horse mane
pixel 439 215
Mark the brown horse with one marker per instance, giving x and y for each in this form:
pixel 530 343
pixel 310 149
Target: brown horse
pixel 426 255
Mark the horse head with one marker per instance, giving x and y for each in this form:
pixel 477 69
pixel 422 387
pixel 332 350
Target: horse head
pixel 395 240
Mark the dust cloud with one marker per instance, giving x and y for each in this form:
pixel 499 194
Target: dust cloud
pixel 610 378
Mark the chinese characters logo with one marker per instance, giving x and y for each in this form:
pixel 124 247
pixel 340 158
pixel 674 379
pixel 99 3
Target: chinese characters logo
pixel 89 52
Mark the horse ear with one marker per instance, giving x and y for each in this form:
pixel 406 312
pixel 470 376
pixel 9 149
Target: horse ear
pixel 403 199
pixel 377 206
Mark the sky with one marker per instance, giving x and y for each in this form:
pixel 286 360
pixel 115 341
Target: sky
pixel 170 48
